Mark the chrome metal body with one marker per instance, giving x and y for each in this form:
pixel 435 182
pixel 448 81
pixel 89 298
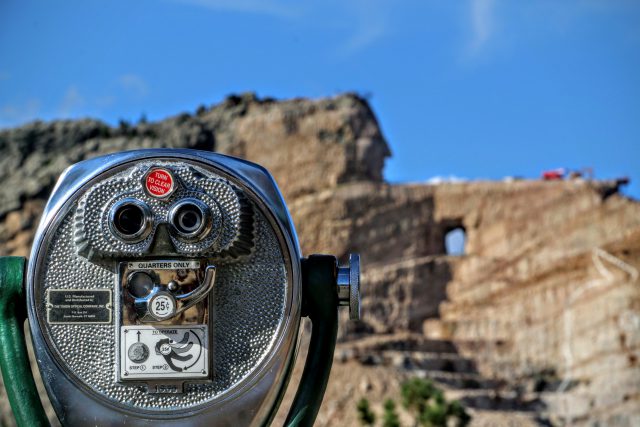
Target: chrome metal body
pixel 253 398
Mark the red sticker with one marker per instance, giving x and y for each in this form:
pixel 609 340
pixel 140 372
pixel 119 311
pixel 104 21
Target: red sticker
pixel 159 182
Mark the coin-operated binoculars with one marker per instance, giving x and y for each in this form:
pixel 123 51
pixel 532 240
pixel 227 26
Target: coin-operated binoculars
pixel 166 287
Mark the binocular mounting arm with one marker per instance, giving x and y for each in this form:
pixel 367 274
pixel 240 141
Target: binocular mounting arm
pixel 14 359
pixel 325 287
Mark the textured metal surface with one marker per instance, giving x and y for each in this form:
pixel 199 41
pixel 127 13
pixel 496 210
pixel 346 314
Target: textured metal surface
pixel 250 296
pixel 93 232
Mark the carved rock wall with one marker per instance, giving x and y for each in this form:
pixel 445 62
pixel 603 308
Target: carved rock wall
pixel 548 281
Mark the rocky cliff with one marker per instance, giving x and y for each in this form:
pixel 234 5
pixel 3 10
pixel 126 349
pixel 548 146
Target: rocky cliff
pixel 537 322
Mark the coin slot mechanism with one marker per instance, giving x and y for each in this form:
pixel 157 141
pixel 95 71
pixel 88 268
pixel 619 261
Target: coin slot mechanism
pixel 164 330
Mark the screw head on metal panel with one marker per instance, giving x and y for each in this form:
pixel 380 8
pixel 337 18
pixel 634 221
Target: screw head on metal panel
pixel 349 286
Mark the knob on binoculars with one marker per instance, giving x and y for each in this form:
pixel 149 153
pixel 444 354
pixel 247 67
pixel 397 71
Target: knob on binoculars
pixel 167 287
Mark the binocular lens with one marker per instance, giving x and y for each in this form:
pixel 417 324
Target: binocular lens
pixel 130 219
pixel 190 218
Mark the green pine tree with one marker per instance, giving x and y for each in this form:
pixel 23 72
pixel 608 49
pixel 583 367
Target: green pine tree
pixel 390 417
pixel 365 415
pixel 429 405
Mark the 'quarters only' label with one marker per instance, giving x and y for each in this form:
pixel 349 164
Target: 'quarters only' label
pixel 163 265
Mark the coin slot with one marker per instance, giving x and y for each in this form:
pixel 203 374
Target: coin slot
pixel 140 284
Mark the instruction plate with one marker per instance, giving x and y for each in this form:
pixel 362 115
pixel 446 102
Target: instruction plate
pixel 171 352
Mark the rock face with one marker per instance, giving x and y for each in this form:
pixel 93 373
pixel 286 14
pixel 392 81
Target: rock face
pixel 538 321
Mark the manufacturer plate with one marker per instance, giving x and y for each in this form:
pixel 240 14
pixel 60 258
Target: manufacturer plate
pixel 79 306
pixel 173 352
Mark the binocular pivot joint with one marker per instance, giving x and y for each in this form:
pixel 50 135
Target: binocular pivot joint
pixel 348 282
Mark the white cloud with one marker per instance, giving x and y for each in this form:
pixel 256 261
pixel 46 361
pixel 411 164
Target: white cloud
pixel 134 84
pixel 261 7
pixel 482 14
pixel 370 23
pixel 366 20
pixel 439 179
pixel 71 102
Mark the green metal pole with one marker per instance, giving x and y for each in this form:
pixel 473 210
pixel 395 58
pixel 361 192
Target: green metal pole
pixel 14 360
pixel 320 303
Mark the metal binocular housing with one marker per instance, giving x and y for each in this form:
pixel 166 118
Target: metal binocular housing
pixel 166 287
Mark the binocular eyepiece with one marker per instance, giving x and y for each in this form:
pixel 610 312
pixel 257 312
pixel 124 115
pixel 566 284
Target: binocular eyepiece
pixel 167 286
pixel 190 219
pixel 131 220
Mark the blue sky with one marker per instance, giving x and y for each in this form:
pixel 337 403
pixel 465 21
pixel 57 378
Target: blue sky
pixel 471 89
